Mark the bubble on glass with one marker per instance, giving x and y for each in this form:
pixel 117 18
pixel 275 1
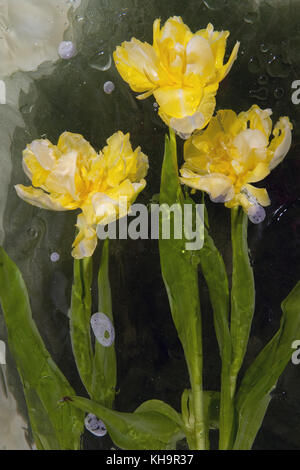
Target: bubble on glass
pixel 54 257
pixel 108 87
pixel 263 79
pixel 155 106
pixel 256 213
pixel 66 49
pixel 253 65
pixel 95 425
pixel 261 93
pixel 103 329
pixel 278 93
pixel 264 48
pixel 101 60
pixel 215 4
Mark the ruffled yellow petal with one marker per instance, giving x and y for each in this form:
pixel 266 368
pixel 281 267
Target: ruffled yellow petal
pixel 86 241
pixel 281 141
pixel 38 197
pixel 174 29
pixel 218 186
pixel 260 194
pixel 137 64
pixel 182 70
pixel 178 102
pixel 199 57
pixel 72 175
pixel 236 149
pixel 227 67
pixel 62 179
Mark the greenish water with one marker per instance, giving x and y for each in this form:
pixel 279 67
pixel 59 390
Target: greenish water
pixel 68 95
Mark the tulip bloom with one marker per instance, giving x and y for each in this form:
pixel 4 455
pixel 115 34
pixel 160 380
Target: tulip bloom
pixel 234 151
pixel 182 70
pixel 72 175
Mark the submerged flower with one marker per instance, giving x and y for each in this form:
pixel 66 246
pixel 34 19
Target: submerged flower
pixel 234 151
pixel 72 175
pixel 182 70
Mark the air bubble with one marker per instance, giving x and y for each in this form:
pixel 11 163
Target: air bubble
pixel 103 329
pixel 108 87
pixel 256 213
pixel 95 425
pixel 54 257
pixel 66 49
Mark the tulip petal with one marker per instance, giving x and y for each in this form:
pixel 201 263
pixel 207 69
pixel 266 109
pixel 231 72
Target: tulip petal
pixel 85 243
pixel 178 102
pixel 227 67
pixel 216 185
pixel 260 194
pixel 62 179
pixel 175 29
pixel 281 142
pixel 137 64
pixel 37 197
pixel 199 57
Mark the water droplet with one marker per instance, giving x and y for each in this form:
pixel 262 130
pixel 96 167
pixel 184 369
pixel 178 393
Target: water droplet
pixel 278 93
pixel 66 49
pixel 276 68
pixel 101 60
pixel 264 48
pixel 54 257
pixel 108 87
pixel 250 17
pixel 155 106
pixel 263 79
pixel 215 4
pixel 260 94
pixel 32 232
pixel 253 65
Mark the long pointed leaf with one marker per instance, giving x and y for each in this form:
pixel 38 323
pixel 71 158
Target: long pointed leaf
pixel 242 292
pixel 80 315
pixel 38 372
pixel 149 430
pixel 105 364
pixel 180 275
pixel 254 394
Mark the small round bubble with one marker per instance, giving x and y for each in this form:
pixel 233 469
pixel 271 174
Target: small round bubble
pixel 103 329
pixel 256 214
pixel 95 425
pixel 66 49
pixel 54 257
pixel 108 87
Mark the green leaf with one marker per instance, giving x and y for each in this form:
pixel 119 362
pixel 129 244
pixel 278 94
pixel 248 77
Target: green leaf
pixel 162 408
pixel 80 315
pixel 254 394
pixel 180 274
pixel 242 292
pixel 142 430
pixel 105 364
pixel 44 384
pixel 214 272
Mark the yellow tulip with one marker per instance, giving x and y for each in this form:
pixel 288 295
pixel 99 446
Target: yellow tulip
pixel 234 151
pixel 72 175
pixel 182 70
